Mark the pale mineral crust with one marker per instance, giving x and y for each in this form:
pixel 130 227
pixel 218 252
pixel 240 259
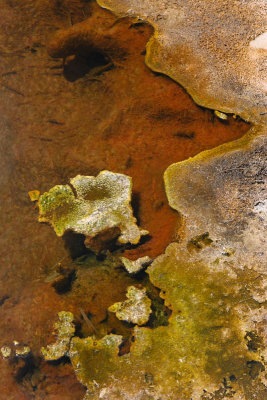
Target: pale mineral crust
pixel 22 351
pixel 209 47
pixel 133 267
pixel 6 351
pixel 223 193
pixel 65 330
pixel 136 309
pixel 99 206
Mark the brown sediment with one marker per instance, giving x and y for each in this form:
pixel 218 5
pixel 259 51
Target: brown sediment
pixel 80 119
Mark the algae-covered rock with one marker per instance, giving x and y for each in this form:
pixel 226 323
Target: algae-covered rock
pixel 101 204
pixel 23 351
pixel 136 309
pixel 100 356
pixel 34 195
pixel 6 351
pixel 133 267
pixel 65 330
pixel 203 351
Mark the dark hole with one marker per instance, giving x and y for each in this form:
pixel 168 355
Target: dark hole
pixel 74 242
pixel 24 367
pixel 64 284
pixel 79 65
pixel 143 240
pixel 139 276
pixel 255 367
pixel 105 240
pixel 232 378
pixel 160 313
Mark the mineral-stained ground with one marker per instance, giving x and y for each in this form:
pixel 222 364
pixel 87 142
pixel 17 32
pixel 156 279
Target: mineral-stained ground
pixel 72 107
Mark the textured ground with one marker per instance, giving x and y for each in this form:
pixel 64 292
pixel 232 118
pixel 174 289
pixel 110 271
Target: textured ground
pixel 207 46
pixel 98 111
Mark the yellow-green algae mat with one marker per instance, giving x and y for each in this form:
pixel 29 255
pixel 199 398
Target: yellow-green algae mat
pixel 100 204
pixel 203 349
pixel 213 345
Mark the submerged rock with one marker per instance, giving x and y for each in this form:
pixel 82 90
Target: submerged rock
pixel 136 309
pixel 23 351
pixel 65 331
pixel 6 351
pixel 100 209
pixel 133 267
pixel 34 195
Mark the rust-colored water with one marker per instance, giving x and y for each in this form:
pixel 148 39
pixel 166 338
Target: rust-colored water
pixel 57 122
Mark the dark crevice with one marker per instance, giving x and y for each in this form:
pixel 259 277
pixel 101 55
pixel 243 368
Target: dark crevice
pixel 3 299
pixel 61 361
pixel 143 240
pixel 105 241
pixel 185 135
pixel 135 204
pixel 74 243
pixel 160 313
pixel 139 276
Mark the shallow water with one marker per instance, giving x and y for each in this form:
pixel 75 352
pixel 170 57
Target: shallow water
pixel 59 121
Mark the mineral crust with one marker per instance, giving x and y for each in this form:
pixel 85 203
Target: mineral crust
pixel 65 330
pixel 214 48
pixel 99 206
pixel 133 267
pixel 136 309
